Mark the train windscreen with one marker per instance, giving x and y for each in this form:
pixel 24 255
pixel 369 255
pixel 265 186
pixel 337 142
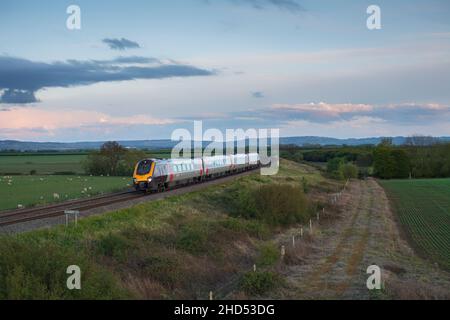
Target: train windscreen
pixel 144 167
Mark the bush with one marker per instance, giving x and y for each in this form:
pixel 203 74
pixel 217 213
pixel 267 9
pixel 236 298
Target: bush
pixel 349 171
pixel 274 204
pixel 259 282
pixel 269 254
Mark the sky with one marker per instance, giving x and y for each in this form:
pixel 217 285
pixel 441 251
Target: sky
pixel 141 69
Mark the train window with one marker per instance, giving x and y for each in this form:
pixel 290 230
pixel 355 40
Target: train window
pixel 144 167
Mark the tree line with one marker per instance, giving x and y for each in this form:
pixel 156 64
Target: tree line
pixel 418 157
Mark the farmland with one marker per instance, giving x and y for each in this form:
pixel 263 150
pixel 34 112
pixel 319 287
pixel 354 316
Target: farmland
pixel 423 209
pixel 51 163
pixel 43 164
pixel 35 190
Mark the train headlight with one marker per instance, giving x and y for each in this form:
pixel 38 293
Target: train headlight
pixel 149 180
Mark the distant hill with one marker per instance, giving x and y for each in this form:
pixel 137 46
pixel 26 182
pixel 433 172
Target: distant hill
pixel 168 144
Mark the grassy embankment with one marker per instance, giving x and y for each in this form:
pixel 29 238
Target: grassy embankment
pixel 180 247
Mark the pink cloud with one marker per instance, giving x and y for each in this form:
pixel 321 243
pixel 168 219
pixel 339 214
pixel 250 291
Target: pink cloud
pixel 34 122
pixel 323 108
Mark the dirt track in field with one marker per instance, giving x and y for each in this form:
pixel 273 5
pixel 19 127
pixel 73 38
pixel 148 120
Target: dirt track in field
pixel 365 234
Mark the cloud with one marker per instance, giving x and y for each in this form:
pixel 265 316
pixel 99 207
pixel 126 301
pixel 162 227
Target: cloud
pixel 355 115
pixel 322 110
pixel 15 96
pixel 136 59
pixel 44 119
pixel 400 113
pixel 288 5
pixel 21 78
pixel 121 44
pixel 258 94
pixel 43 124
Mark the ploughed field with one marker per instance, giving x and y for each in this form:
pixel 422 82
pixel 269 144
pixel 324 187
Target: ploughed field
pixel 16 191
pixel 423 209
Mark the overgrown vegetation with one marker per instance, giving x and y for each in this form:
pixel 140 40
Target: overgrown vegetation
pixel 274 204
pixel 338 168
pixel 259 282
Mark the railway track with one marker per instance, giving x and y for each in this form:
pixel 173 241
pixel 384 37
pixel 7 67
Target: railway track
pixel 24 215
pixel 15 217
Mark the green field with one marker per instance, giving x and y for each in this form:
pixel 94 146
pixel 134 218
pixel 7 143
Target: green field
pixel 423 208
pixel 42 164
pixel 51 163
pixel 33 190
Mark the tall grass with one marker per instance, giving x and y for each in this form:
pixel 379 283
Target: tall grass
pixel 36 271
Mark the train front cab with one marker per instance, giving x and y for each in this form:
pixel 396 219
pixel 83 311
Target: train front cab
pixel 143 175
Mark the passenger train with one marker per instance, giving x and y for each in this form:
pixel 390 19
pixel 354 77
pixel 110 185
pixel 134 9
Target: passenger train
pixel 158 175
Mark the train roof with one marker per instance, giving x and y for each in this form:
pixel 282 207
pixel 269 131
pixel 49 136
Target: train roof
pixel 181 160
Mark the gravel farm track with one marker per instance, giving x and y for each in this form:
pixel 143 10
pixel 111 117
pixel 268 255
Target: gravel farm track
pixel 365 232
pixel 22 220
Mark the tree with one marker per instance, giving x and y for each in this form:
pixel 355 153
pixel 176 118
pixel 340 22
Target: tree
pixel 419 140
pixel 334 164
pixel 112 159
pixel 402 165
pixel 364 160
pixel 390 162
pixel 383 162
pixel 112 152
pixel 334 167
pixel 349 171
pixel 386 141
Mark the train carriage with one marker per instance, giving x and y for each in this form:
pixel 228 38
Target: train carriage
pixel 239 162
pixel 253 160
pixel 159 175
pixel 216 166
